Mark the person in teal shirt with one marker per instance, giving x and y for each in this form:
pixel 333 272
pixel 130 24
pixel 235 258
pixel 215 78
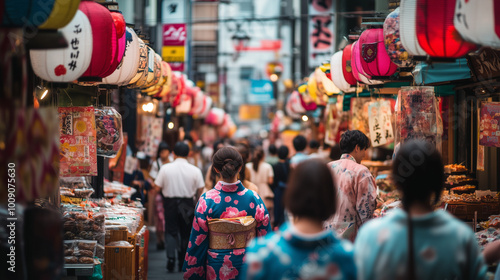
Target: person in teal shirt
pixel 302 248
pixel 417 242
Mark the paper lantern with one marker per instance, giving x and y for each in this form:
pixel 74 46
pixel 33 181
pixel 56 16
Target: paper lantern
pixel 198 99
pixel 407 28
pixel 21 13
pixel 215 117
pixel 346 65
pixel 478 21
pixel 120 26
pixel 105 44
pixel 357 69
pixel 393 45
pixel 167 75
pixel 148 71
pixel 130 63
pixel 338 73
pixel 143 63
pixel 207 106
pixel 436 32
pixel 325 84
pixel 62 13
pixel 376 61
pixel 66 65
pixel 294 107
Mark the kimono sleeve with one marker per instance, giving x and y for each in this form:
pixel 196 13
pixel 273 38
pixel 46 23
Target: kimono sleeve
pixel 261 216
pixel 196 255
pixel 254 266
pixel 366 196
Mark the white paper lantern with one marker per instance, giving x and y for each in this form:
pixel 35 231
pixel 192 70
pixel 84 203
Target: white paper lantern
pixel 143 63
pixel 329 87
pixel 130 63
pixel 337 73
pixel 198 100
pixel 407 28
pixel 66 65
pixel 477 21
pixel 215 117
pixel 207 105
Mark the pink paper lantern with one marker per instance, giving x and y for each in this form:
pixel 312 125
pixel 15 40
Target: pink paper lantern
pixel 376 61
pixel 357 70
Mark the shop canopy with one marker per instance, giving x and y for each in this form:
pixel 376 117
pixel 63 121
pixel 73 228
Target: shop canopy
pixel 439 73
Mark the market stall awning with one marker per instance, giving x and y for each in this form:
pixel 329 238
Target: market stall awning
pixel 437 73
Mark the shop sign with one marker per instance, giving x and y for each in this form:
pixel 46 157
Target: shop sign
pixel 250 112
pixel 174 42
pixel 485 65
pixel 261 92
pixel 489 125
pixel 321 36
pixel 379 122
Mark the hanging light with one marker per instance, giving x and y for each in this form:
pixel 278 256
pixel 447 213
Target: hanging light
pixel 407 25
pixel 305 118
pixel 69 64
pixel 392 39
pixel 142 62
pixel 170 125
pixel 24 13
pixel 149 68
pixel 376 61
pixel 357 68
pixel 478 21
pixel 435 30
pixel 130 63
pixel 62 13
pixel 347 65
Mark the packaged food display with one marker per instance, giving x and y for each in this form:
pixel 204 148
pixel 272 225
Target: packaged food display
pixel 109 131
pixel 75 187
pixel 84 225
pixel 79 251
pixel 487 236
pixel 464 189
pixel 452 168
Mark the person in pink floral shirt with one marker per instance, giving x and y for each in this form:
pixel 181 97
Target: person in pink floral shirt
pixel 356 188
pixel 228 199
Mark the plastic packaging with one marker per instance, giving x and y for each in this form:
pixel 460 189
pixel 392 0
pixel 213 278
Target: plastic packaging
pixel 109 131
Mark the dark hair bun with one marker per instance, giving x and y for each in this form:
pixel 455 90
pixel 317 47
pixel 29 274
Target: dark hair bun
pixel 227 161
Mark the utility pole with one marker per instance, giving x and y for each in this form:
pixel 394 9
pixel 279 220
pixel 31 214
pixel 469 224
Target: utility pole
pixel 304 38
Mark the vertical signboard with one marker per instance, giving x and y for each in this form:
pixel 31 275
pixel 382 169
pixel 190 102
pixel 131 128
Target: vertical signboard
pixel 321 31
pixel 174 45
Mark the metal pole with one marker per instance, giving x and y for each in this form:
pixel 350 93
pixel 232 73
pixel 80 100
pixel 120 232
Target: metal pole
pixel 304 38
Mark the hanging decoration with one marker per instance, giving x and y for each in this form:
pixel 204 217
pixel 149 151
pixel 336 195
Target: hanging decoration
pixel 142 81
pixel 215 117
pixel 478 21
pixel 357 69
pixel 337 70
pixel 62 13
pixel 130 63
pixel 436 32
pixel 347 65
pixel 109 131
pixel 407 28
pixel 392 39
pixel 78 155
pixel 489 124
pixel 380 123
pixel 21 13
pixel 325 84
pixel 143 63
pixel 376 61
pixel 294 106
pixel 69 64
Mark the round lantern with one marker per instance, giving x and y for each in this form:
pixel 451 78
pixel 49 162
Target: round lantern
pixel 120 26
pixel 21 13
pixel 338 73
pixel 143 79
pixel 66 65
pixel 294 107
pixel 346 65
pixel 357 69
pixel 376 61
pixel 198 99
pixel 62 13
pixel 142 62
pixel 105 42
pixel 207 105
pixel 407 28
pixel 167 75
pixel 130 63
pixel 478 21
pixel 215 117
pixel 393 45
pixel 325 84
pixel 435 30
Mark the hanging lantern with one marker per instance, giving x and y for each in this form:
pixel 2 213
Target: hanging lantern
pixel 143 80
pixel 357 69
pixel 198 99
pixel 207 106
pixel 105 42
pixel 478 21
pixel 338 73
pixel 167 75
pixel 407 28
pixel 294 106
pixel 66 65
pixel 393 45
pixel 22 13
pixel 376 61
pixel 142 62
pixel 62 13
pixel 120 26
pixel 130 63
pixel 325 84
pixel 215 117
pixel 435 30
pixel 347 66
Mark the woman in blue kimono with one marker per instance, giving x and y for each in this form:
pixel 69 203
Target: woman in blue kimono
pixel 302 248
pixel 228 199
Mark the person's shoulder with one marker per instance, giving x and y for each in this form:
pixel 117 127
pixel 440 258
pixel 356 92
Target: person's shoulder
pixel 449 220
pixel 375 225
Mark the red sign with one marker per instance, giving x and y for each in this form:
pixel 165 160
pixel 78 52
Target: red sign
pixel 174 34
pixel 265 45
pixel 177 66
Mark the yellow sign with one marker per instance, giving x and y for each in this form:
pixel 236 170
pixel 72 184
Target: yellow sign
pixel 173 53
pixel 250 112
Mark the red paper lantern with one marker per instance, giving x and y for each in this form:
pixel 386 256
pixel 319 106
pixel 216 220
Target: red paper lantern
pixel 436 32
pixel 105 42
pixel 121 35
pixel 376 61
pixel 347 66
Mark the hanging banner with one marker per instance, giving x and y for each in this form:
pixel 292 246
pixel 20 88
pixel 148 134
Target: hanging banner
pixel 153 129
pixel 380 126
pixel 174 42
pixel 321 36
pixel 489 126
pixel 78 142
pixel 359 114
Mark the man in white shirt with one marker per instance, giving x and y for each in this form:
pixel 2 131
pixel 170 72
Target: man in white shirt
pixel 179 182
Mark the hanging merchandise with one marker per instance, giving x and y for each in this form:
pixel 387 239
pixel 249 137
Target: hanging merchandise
pixel 109 131
pixel 130 63
pixel 436 32
pixel 22 13
pixel 407 28
pixel 215 117
pixel 380 123
pixel 489 125
pixel 376 61
pixel 359 114
pixel 294 107
pixel 152 131
pixel 143 63
pixel 478 21
pixel 325 84
pixel 308 103
pixel 417 116
pixel 104 42
pixel 347 66
pixel 332 122
pixel 78 141
pixel 62 13
pixel 315 90
pixel 337 70
pixel 357 69
pixel 30 154
pixel 198 101
pixel 69 64
pixel 392 39
pixel 117 164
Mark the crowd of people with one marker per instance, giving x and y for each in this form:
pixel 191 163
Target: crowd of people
pixel 307 214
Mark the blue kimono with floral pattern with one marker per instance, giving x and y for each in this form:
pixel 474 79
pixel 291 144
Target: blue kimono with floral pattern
pixel 223 201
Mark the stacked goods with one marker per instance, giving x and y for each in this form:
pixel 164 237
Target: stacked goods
pixel 491 231
pixel 466 205
pixel 80 251
pixel 75 187
pixel 113 189
pixel 85 225
pixel 454 168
